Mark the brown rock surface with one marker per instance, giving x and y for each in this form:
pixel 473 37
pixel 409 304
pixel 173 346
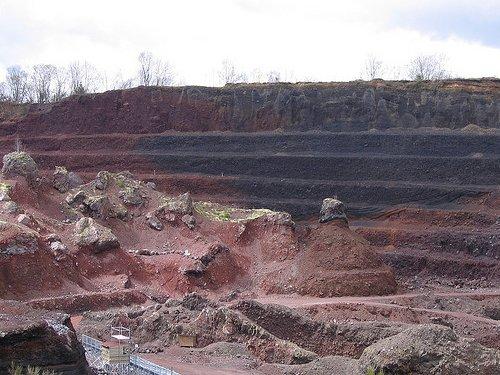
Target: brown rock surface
pixel 430 349
pixel 38 338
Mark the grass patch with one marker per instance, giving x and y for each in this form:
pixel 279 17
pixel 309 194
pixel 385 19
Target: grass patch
pixel 371 371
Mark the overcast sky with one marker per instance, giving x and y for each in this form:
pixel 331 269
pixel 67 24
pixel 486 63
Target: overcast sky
pixel 304 39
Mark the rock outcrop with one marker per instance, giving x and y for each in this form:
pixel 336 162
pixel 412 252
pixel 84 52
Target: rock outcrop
pixel 323 338
pixel 16 239
pixel 153 221
pixel 182 205
pixel 38 338
pixel 5 191
pixel 342 106
pixel 97 206
pixel 89 234
pixel 209 321
pixel 333 210
pixel 63 181
pixel 20 163
pixel 430 349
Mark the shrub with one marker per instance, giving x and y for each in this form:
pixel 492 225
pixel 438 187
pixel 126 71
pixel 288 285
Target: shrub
pixel 16 369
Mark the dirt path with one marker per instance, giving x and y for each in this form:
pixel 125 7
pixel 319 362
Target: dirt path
pixel 378 301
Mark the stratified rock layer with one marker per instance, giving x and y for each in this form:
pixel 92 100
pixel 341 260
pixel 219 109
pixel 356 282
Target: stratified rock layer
pixel 41 339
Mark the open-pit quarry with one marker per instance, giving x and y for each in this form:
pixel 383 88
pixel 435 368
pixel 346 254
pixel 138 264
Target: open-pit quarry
pixel 315 228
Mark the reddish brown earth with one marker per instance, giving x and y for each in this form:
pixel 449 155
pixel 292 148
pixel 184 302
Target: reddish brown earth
pixel 422 246
pixel 264 255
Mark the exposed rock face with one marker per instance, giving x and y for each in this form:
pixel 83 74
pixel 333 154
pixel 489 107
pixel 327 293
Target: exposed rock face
pixel 20 164
pixel 253 107
pixel 63 181
pixel 5 190
pixel 101 181
pixel 131 196
pixel 42 339
pixel 109 195
pixel 209 321
pixel 25 220
pixel 153 221
pixel 430 349
pixel 9 207
pixel 97 206
pixel 201 264
pixel 189 220
pixel 60 179
pixel 15 240
pixel 132 192
pixel 89 234
pixel 182 205
pixel 59 250
pixel 349 339
pixel 279 218
pixel 333 210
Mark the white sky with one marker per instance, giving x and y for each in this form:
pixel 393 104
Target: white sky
pixel 305 39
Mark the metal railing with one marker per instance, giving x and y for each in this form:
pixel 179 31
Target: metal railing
pixel 149 367
pixel 91 343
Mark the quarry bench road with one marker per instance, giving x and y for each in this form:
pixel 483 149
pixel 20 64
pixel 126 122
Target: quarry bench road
pixel 378 301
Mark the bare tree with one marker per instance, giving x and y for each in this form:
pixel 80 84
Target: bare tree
pixel 256 75
pixel 83 78
pixel 395 72
pixel 17 83
pixel 60 86
pixel 373 68
pixel 273 76
pixel 41 84
pixel 163 75
pixel 119 83
pixel 229 74
pixel 427 67
pixel 3 92
pixel 145 73
pixel 154 71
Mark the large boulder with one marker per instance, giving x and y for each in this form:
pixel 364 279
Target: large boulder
pixel 20 163
pixel 333 210
pixel 102 180
pixel 182 205
pixel 97 206
pixel 153 221
pixel 91 235
pixel 430 349
pixel 63 181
